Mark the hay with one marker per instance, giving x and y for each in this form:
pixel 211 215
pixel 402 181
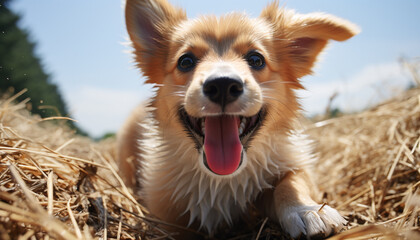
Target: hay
pixel 369 168
pixel 56 185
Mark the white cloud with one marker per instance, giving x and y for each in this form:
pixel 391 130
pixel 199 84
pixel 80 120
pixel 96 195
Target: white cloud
pixel 102 110
pixel 373 84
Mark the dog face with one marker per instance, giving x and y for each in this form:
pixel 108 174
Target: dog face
pixel 222 81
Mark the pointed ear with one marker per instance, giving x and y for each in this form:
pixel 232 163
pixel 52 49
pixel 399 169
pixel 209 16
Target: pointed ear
pixel 303 37
pixel 148 21
pixel 149 25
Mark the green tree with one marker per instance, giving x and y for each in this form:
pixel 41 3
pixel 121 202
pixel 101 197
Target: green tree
pixel 20 68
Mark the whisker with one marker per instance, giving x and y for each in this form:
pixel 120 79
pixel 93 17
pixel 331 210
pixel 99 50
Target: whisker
pixel 276 81
pixel 174 94
pixel 180 92
pixel 268 82
pixel 169 84
pixel 268 90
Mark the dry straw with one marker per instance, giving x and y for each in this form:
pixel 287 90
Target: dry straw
pixel 56 185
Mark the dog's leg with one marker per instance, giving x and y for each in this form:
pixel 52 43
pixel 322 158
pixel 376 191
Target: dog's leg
pixel 298 213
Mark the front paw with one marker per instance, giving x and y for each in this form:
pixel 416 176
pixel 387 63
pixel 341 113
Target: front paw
pixel 312 221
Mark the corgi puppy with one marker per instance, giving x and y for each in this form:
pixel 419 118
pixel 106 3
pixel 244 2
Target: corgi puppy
pixel 219 135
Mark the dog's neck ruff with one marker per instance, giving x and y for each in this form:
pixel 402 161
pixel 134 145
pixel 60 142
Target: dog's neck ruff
pixel 172 171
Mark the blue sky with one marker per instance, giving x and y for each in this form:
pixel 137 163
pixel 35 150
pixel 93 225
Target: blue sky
pixel 82 46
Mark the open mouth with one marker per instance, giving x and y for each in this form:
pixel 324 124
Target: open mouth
pixel 223 138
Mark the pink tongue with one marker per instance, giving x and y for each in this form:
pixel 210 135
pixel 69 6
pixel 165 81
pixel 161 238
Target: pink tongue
pixel 222 145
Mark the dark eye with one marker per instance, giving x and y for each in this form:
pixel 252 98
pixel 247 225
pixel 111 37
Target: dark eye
pixel 187 62
pixel 255 60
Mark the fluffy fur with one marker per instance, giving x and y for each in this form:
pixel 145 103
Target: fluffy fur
pixel 162 156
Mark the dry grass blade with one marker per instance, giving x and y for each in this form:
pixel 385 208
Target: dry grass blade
pixel 57 156
pixel 261 228
pixel 58 118
pixel 367 232
pixel 73 221
pixel 50 192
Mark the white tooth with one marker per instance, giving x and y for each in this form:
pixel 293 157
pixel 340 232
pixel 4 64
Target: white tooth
pixel 203 128
pixel 242 126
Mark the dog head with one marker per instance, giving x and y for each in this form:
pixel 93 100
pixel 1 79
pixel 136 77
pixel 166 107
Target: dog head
pixel 221 80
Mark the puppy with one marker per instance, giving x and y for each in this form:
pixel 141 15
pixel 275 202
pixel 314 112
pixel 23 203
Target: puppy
pixel 219 136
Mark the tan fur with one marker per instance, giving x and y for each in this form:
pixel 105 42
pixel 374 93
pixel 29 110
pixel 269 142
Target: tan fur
pixel 175 184
pixel 128 148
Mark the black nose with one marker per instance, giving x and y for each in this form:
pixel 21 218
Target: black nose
pixel 223 90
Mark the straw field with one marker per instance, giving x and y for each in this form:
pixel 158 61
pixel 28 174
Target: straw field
pixel 57 185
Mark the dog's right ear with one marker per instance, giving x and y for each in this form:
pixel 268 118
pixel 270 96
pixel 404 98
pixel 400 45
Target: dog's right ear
pixel 300 38
pixel 149 25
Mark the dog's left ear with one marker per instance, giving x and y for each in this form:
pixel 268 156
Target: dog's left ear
pixel 149 25
pixel 301 37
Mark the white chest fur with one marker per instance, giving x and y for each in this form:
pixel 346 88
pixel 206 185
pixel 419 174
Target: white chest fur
pixel 172 171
